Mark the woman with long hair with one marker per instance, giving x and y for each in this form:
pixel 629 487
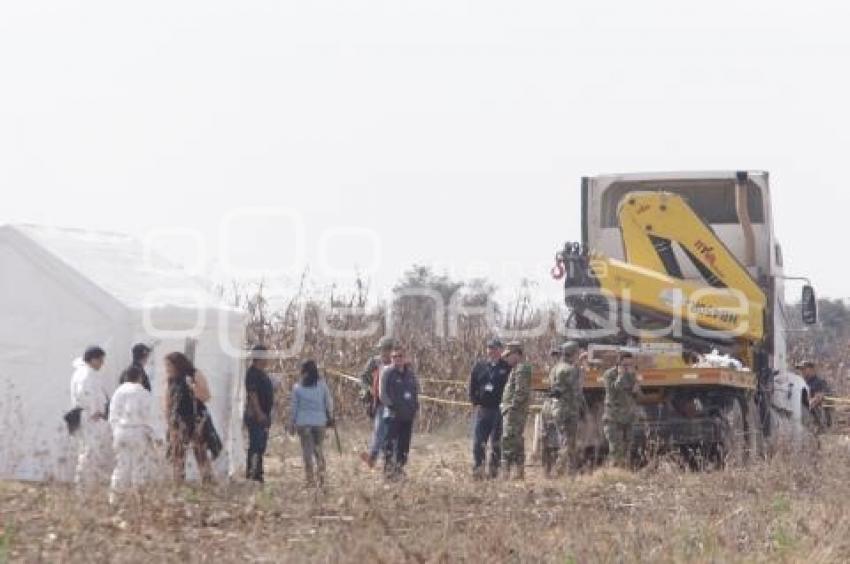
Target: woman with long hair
pixel 312 409
pixel 185 407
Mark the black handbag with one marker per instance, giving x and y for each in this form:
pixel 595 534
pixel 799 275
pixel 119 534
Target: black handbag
pixel 73 419
pixel 210 435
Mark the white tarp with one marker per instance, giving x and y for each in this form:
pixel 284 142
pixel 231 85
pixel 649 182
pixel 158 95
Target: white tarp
pixel 62 290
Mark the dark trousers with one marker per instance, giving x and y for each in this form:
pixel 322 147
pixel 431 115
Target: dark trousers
pixel 397 445
pixel 487 429
pixel 258 439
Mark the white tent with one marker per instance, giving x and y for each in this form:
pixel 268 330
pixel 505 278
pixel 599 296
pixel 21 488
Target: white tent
pixel 62 290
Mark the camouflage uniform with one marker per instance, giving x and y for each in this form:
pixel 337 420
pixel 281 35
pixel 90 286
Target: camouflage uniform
pixel 550 439
pixel 619 414
pixel 565 404
pixel 515 402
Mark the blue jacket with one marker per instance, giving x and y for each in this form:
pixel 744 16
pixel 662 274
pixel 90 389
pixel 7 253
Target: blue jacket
pixel 487 382
pixel 311 406
pixel 400 392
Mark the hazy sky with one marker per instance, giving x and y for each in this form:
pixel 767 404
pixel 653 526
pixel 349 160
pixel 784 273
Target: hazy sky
pixel 455 132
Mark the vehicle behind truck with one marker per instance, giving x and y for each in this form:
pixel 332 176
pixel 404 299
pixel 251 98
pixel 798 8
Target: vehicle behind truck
pixel 685 271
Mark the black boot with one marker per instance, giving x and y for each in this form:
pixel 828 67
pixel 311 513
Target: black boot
pixel 255 469
pixel 261 474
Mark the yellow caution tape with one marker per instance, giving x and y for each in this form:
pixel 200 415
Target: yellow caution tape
pixel 450 382
pixel 833 399
pixel 432 399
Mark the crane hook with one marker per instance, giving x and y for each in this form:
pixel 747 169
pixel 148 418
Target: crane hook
pixel 558 270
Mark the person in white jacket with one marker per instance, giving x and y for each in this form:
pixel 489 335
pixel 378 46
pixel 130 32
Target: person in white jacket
pixel 131 417
pixel 88 393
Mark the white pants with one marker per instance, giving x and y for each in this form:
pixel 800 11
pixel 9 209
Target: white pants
pixel 94 459
pixel 131 458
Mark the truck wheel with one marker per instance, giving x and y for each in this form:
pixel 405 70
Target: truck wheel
pixel 734 444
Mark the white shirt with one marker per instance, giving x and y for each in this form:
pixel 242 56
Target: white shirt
pixel 131 406
pixel 87 391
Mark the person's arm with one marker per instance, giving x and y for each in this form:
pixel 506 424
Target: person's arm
pixel 252 399
pixel 579 388
pixel 636 389
pixel 329 400
pixel 508 391
pixel 366 380
pixel 114 406
pixel 523 386
pixel 90 399
pixel 329 404
pixel 560 381
pixel 293 409
pixel 256 411
pixel 384 387
pixel 418 389
pixel 166 402
pixel 146 404
pixel 473 385
pixel 201 388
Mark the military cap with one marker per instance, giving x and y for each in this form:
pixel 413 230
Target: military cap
pixel 386 343
pixel 512 347
pixel 495 343
pixel 806 364
pixel 569 347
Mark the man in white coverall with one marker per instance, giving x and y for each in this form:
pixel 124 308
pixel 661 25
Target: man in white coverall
pixel 131 417
pixel 88 393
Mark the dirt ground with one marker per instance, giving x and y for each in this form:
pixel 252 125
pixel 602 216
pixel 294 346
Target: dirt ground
pixel 776 511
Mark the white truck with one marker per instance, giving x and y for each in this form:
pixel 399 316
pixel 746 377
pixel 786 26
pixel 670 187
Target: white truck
pixel 693 254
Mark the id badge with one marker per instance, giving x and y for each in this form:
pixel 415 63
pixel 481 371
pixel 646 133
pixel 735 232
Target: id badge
pixel 488 387
pixel 407 395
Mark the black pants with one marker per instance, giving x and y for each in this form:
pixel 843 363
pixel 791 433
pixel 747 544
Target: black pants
pixel 488 428
pixel 258 438
pixel 397 445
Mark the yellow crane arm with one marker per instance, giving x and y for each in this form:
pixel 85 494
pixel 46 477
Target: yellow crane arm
pixel 651 222
pixel 724 311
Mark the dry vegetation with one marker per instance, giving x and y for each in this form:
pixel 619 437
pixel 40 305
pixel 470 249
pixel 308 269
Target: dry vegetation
pixel 778 511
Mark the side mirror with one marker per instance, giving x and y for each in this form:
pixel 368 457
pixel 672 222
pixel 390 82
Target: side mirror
pixel 809 305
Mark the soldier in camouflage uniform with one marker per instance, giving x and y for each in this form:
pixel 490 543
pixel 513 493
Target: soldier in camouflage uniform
pixel 550 438
pixel 563 409
pixel 621 391
pixel 515 403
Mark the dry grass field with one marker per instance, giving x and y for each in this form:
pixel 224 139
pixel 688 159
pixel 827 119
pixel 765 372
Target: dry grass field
pixel 778 511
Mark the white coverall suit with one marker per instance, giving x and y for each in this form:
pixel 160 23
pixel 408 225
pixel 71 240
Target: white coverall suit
pixel 94 459
pixel 131 417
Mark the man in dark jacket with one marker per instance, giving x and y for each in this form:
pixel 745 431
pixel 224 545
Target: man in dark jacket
pixel 259 401
pixel 486 385
pixel 140 355
pixel 399 392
